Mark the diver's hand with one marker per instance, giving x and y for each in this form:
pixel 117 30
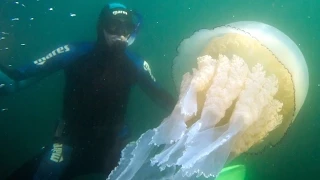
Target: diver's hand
pixel 53 163
pixel 14 74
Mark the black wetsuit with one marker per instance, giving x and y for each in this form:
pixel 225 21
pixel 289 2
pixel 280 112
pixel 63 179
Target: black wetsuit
pixel 98 82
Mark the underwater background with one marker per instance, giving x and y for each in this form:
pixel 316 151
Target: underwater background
pixel 28 118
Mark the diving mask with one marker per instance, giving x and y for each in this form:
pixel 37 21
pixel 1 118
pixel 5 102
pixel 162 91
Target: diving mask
pixel 122 27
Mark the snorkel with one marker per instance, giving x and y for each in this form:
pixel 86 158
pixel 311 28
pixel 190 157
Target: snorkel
pixel 133 35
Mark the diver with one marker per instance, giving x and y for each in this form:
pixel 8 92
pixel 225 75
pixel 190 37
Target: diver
pixel 98 78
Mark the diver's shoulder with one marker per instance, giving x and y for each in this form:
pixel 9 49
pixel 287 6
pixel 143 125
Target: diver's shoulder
pixel 80 46
pixel 73 48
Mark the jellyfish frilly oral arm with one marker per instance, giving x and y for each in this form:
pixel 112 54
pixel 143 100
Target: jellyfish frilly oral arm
pixel 173 127
pixel 258 93
pixel 270 120
pixel 254 91
pixel 262 106
pixel 204 138
pixel 200 80
pixel 226 86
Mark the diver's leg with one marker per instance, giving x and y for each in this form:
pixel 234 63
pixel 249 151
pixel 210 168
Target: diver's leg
pixel 89 160
pixel 97 158
pixel 27 170
pixel 54 162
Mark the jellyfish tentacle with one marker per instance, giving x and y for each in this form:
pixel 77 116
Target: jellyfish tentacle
pixel 226 86
pixel 188 104
pixel 256 98
pixel 254 90
pixel 212 163
pixel 201 79
pixel 164 133
pixel 225 83
pixel 270 119
pixel 226 105
pixel 205 72
pixel 214 154
pixel 257 93
pixel 266 109
pixel 133 157
pixel 169 156
pixel 126 155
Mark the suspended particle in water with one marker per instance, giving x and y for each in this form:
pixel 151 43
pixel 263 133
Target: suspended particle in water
pixel 22 44
pixel 50 9
pixel 15 19
pixel 2 38
pixel 17 2
pixel 4 109
pixel 72 15
pixel 31 19
pixel 2 85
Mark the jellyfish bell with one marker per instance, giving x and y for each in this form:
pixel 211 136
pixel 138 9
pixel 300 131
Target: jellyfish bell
pixel 255 42
pixel 272 41
pixel 240 87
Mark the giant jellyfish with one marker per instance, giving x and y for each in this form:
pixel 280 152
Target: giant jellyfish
pixel 241 86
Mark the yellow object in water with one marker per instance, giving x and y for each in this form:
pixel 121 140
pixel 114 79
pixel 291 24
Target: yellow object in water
pixel 236 172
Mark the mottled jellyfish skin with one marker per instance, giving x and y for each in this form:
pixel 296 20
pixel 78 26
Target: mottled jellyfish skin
pixel 240 86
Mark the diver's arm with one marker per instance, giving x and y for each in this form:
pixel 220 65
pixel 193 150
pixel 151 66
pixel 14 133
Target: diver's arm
pixel 10 86
pixel 148 84
pixel 7 83
pixel 47 64
pixel 10 73
pixel 53 61
pixel 13 80
pixel 157 93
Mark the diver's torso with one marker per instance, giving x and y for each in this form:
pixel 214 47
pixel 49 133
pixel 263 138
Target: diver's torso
pixel 96 93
